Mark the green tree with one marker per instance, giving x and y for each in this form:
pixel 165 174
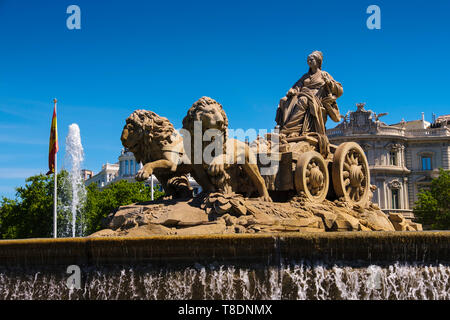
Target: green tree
pixel 433 206
pixel 30 214
pixel 100 203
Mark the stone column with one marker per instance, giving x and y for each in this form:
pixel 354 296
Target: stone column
pixel 385 196
pixel 405 193
pixel 445 156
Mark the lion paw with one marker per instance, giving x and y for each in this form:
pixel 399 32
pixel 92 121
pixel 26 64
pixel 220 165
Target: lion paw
pixel 266 198
pixel 144 174
pixel 216 169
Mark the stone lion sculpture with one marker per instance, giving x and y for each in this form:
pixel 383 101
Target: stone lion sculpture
pixel 232 167
pixel 159 147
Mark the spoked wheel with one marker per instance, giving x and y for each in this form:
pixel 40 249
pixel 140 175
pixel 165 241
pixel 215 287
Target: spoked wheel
pixel 311 176
pixel 351 176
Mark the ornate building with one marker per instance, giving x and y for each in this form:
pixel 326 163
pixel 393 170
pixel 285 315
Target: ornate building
pixel 125 169
pixel 403 157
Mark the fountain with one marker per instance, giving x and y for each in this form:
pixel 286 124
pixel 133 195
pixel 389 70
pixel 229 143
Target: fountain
pixel 74 157
pixel 335 265
pixel 312 232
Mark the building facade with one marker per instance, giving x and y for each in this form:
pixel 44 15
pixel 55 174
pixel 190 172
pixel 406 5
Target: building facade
pixel 403 157
pixel 125 169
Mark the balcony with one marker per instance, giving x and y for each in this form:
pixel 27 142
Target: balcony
pixel 390 131
pixel 430 132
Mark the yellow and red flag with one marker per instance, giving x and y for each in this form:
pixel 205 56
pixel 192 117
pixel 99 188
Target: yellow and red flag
pixel 53 147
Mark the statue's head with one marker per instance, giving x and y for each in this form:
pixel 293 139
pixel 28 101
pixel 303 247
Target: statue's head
pixel 209 112
pixel 315 59
pixel 146 133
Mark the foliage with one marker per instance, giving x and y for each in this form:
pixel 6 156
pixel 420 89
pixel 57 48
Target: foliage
pixel 433 206
pixel 100 203
pixel 30 214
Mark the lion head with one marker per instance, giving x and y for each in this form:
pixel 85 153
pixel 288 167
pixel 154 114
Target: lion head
pixel 207 111
pixel 148 135
pixel 207 114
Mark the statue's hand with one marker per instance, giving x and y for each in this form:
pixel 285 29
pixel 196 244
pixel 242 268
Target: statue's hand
pixel 292 92
pixel 145 173
pixel 328 100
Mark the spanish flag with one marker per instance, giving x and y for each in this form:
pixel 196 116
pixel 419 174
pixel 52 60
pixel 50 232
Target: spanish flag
pixel 53 147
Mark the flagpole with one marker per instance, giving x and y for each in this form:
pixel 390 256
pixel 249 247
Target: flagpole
pixel 152 185
pixel 55 235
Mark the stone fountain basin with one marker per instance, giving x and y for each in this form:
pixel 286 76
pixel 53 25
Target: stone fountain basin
pixel 267 249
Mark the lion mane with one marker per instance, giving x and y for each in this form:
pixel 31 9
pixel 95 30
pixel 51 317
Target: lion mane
pixel 150 138
pixel 209 109
pixel 229 177
pixel 150 134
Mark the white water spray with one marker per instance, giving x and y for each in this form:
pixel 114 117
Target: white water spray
pixel 74 159
pixel 397 281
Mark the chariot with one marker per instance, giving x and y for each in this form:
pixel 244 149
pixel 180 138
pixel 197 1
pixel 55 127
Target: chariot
pixel 341 172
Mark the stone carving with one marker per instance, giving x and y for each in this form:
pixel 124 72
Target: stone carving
pixel 394 147
pixel 234 169
pixel 377 117
pixel 401 224
pixel 395 184
pixel 154 142
pixel 158 146
pixel 317 186
pixel 225 214
pixel 310 100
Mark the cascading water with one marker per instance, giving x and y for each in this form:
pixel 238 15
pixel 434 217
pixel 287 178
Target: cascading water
pixel 393 266
pixel 74 157
pixel 301 280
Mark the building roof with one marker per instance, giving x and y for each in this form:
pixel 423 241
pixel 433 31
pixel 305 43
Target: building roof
pixel 444 118
pixel 412 125
pixel 366 122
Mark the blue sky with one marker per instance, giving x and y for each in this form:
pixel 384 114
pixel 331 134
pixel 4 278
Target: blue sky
pixel 163 56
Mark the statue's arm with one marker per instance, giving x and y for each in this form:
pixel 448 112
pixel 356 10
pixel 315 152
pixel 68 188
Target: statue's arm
pixel 336 90
pixel 147 170
pixel 333 112
pixel 334 86
pixel 298 85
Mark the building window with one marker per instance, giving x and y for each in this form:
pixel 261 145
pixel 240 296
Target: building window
pixel 395 199
pixel 393 158
pixel 426 163
pixel 126 167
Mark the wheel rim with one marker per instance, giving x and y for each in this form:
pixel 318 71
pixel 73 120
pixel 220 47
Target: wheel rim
pixel 354 176
pixel 351 177
pixel 311 176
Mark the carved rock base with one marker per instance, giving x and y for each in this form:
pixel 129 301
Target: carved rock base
pixel 212 215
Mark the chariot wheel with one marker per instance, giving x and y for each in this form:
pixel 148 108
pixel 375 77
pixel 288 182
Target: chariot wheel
pixel 351 176
pixel 311 176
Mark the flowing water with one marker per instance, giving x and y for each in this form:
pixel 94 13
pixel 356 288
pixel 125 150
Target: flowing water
pixel 72 224
pixel 398 281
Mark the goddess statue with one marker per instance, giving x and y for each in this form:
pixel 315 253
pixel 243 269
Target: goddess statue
pixel 311 99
